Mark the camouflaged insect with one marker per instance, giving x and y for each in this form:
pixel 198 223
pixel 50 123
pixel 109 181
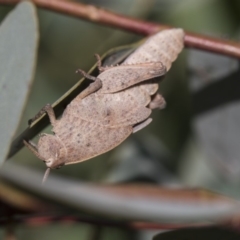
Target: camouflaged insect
pixel 118 103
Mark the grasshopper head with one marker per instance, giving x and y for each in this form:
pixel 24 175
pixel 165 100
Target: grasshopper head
pixel 52 151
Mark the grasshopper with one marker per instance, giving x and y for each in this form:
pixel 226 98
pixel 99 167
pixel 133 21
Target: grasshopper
pixel 117 104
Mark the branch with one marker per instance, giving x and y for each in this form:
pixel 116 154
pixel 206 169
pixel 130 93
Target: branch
pixel 101 16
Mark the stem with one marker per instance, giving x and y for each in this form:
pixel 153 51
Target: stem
pixel 101 16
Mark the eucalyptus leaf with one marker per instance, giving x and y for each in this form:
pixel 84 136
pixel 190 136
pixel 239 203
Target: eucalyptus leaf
pixel 18 48
pixel 215 86
pixel 138 202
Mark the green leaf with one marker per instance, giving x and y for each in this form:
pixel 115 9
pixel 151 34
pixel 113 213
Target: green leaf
pixel 18 49
pixel 137 202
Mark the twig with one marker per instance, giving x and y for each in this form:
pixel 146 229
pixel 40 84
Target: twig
pixel 101 16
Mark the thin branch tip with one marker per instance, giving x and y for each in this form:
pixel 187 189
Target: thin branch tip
pixel 98 15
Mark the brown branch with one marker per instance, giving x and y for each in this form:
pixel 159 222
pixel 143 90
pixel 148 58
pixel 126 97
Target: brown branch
pixel 101 16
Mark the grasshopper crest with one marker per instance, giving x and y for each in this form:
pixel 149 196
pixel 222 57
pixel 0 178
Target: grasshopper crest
pixel 117 103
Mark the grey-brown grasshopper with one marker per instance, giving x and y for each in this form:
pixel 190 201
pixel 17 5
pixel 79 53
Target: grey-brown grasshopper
pixel 118 103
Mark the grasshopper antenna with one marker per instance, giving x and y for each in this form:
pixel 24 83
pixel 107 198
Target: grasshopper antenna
pixel 46 175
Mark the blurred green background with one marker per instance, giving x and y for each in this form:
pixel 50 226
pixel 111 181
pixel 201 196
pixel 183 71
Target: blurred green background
pixel 67 44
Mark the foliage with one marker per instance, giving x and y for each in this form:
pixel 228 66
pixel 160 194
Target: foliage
pixel 194 142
